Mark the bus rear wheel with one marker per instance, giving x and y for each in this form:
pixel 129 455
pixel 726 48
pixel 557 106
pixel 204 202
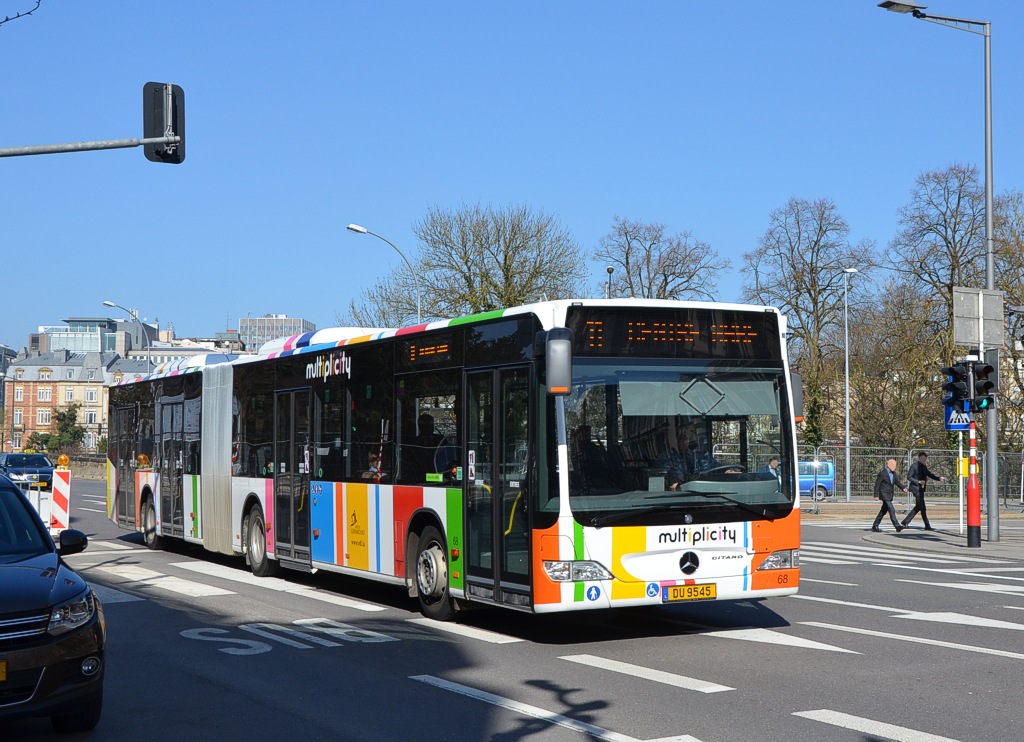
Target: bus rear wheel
pixel 432 576
pixel 256 545
pixel 149 534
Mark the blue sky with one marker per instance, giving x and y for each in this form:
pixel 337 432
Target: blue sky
pixel 304 117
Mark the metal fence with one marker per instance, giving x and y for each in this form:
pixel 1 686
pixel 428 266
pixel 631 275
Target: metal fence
pixel 866 462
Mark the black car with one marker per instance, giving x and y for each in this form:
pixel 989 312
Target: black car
pixel 29 470
pixel 52 630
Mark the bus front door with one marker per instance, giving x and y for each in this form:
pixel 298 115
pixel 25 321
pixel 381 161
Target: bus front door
pixel 292 461
pixel 123 432
pixel 497 479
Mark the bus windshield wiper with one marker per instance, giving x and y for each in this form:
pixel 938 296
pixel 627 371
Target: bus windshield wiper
pixel 739 503
pixel 599 521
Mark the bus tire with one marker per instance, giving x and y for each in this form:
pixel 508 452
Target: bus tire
pixel 256 545
pixel 149 535
pixel 432 576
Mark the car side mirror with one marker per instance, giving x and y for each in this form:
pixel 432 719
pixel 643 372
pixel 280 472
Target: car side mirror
pixel 71 541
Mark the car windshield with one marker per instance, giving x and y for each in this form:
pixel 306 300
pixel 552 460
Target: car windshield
pixel 20 534
pixel 656 441
pixel 28 460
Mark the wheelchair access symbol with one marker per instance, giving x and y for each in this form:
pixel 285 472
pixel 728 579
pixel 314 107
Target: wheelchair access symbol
pixel 653 590
pixel 593 592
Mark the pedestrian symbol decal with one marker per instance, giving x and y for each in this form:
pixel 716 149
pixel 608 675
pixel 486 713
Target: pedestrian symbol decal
pixel 593 592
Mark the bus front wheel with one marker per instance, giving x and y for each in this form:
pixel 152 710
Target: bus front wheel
pixel 432 576
pixel 256 545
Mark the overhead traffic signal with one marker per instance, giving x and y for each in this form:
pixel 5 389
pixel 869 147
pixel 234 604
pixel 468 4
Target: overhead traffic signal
pixel 163 115
pixel 983 385
pixel 957 391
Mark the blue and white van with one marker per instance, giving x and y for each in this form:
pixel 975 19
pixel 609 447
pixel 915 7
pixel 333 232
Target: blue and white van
pixel 817 476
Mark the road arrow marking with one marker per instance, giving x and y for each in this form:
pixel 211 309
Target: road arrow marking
pixel 915 640
pixel 869 727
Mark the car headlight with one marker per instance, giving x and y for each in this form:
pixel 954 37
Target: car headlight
pixel 583 571
pixel 785 559
pixel 72 614
pixel 18 477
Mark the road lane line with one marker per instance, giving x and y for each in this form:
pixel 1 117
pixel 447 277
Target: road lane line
pixel 820 560
pixel 915 639
pixel 466 631
pixel 829 582
pixel 276 584
pixel 114 545
pixel 870 727
pixel 536 712
pixel 647 673
pixel 109 595
pixel 90 510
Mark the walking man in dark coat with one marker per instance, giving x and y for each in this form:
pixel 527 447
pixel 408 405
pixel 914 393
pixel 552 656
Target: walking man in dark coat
pixel 917 478
pixel 885 484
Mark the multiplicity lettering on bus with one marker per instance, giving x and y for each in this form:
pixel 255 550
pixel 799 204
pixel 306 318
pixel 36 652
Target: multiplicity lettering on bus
pixel 694 536
pixel 329 364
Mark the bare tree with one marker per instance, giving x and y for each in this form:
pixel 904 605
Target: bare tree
pixel 21 14
pixel 1009 249
pixel 798 266
pixel 894 367
pixel 654 265
pixel 941 240
pixel 477 259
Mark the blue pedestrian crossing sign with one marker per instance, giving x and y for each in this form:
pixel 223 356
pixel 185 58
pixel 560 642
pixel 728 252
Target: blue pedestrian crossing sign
pixel 957 420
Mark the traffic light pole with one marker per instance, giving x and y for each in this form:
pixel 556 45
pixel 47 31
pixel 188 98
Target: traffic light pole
pixel 50 149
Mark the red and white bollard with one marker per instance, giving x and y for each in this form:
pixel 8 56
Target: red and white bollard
pixel 973 494
pixel 60 507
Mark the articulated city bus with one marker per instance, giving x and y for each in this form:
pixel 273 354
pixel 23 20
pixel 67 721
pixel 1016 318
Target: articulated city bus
pixel 559 456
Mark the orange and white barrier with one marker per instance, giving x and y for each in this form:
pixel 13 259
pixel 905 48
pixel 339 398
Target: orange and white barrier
pixel 60 506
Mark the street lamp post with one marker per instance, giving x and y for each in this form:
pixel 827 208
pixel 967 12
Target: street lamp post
pixel 981 28
pixel 608 290
pixel 847 272
pixel 133 315
pixel 412 274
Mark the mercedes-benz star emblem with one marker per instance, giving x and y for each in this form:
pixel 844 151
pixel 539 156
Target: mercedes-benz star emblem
pixel 689 563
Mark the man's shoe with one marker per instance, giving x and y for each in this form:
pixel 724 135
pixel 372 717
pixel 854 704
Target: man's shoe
pixel 899 528
pixel 904 524
pixel 876 529
pixel 928 528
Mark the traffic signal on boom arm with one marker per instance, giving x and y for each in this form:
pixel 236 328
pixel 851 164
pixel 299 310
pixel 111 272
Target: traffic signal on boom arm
pixel 956 392
pixel 983 389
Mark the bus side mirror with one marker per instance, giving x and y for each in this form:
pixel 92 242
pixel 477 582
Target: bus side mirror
pixel 798 397
pixel 558 354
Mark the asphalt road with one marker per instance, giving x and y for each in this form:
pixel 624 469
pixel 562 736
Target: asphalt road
pixel 881 644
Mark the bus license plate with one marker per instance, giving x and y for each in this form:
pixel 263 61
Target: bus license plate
pixel 675 593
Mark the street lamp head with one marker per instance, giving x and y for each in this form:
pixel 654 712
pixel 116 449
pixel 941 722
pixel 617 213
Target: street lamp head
pixel 357 229
pixel 898 7
pixel 850 271
pixel 110 304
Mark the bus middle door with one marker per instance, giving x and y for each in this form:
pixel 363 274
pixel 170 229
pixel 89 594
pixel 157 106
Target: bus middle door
pixel 293 458
pixel 497 481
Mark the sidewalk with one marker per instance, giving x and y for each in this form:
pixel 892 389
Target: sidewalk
pixel 945 518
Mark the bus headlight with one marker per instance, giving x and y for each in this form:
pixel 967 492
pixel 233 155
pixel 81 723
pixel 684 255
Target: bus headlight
pixel 785 559
pixel 570 571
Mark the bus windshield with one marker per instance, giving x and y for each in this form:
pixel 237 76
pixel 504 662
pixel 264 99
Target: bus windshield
pixel 658 441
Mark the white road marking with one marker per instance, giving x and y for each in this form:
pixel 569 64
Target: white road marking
pixel 108 595
pixel 965 573
pixel 767 636
pixel 537 712
pixel 982 587
pixel 276 584
pixel 870 727
pixel 828 582
pixel 466 631
pixel 850 550
pixel 647 673
pixel 1015 607
pixel 915 639
pixel 961 619
pixel 91 510
pixel 149 578
pixel 819 560
pixel 114 545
